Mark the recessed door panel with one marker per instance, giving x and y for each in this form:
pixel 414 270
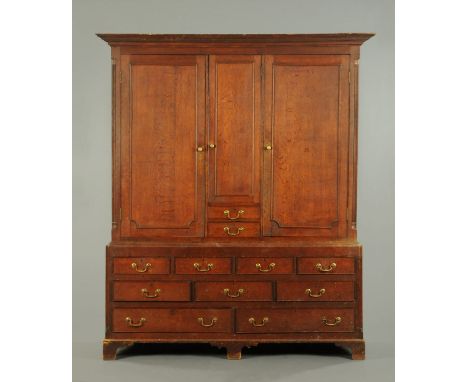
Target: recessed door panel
pixel 163 124
pixel 234 148
pixel 306 136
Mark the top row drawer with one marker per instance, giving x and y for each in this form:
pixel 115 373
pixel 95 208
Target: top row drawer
pixel 223 265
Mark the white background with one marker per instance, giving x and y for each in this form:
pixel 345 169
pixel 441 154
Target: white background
pixel 35 192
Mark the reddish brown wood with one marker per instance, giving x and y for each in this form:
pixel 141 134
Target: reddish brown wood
pixel 270 246
pixel 233 230
pixel 151 291
pixel 116 207
pixel 172 320
pixel 353 151
pixel 313 290
pixel 276 337
pixel 111 347
pixel 230 213
pixel 297 320
pixel 265 265
pixel 245 39
pixel 356 348
pixel 312 265
pixel 202 266
pixel 163 124
pixel 173 96
pixel 234 162
pixel 143 265
pixel 224 49
pixel 233 291
pixel 307 128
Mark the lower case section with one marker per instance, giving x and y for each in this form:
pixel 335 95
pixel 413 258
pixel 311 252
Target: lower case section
pixel 356 347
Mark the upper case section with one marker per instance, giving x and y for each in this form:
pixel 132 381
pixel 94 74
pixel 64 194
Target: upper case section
pixel 234 135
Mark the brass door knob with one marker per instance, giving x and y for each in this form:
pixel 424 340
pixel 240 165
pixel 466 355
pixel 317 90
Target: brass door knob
pixel 211 145
pixel 200 148
pixel 268 147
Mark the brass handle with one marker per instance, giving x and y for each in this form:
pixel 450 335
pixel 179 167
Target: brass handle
pixel 145 293
pixel 264 321
pixel 145 269
pixel 320 293
pixel 135 325
pixel 211 145
pixel 337 321
pixel 269 269
pixel 322 269
pixel 228 293
pixel 208 268
pixel 227 213
pixel 202 323
pixel 200 148
pixel 228 231
pixel 268 147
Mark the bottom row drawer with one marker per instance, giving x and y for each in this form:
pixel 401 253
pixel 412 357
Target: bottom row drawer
pixel 164 320
pixel 294 320
pixel 172 320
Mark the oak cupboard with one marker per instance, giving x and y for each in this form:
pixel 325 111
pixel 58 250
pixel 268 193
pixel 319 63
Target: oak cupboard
pixel 234 191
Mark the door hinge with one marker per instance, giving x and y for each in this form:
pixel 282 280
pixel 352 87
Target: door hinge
pixel 349 76
pixel 120 214
pixel 121 76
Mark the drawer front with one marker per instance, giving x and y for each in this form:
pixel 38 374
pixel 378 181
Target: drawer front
pixel 315 265
pixel 265 265
pixel 315 291
pixel 294 320
pixel 161 320
pixel 151 291
pixel 232 214
pixel 203 266
pixel 141 265
pixel 233 291
pixel 233 230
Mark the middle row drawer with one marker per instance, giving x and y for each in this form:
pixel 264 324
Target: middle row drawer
pixel 233 290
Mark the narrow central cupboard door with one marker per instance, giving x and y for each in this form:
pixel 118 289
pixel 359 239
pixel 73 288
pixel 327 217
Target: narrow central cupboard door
pixel 163 145
pixel 234 147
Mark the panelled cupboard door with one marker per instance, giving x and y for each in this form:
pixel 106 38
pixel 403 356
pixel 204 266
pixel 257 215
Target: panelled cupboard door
pixel 234 131
pixel 162 125
pixel 306 145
